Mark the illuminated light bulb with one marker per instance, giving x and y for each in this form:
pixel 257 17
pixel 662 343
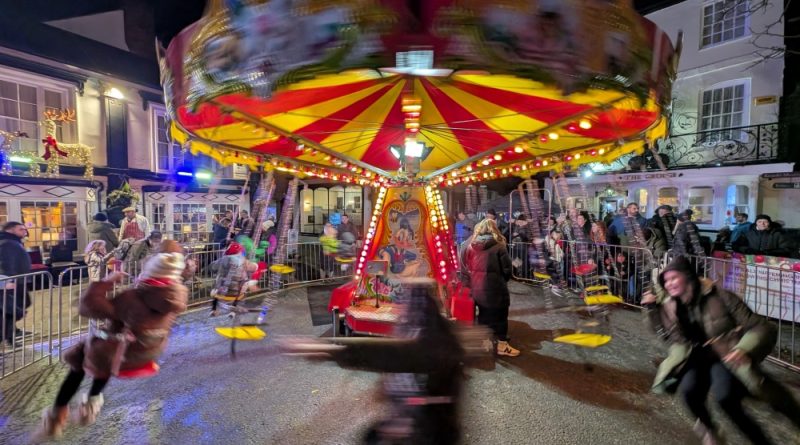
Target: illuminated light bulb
pixel 601 151
pixel 543 138
pixel 568 158
pixel 593 152
pixel 486 162
pixel 554 136
pixel 442 263
pixel 572 127
pixel 498 157
pixel 544 163
pixel 439 250
pixel 585 124
pixel 469 168
pixel 505 171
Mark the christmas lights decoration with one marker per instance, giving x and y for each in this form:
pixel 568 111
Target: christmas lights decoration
pixel 54 150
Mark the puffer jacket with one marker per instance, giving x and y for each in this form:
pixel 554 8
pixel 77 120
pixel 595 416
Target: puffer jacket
pixel 488 267
pixel 148 311
pixel 231 274
pixel 102 230
pixel 763 242
pixel 728 324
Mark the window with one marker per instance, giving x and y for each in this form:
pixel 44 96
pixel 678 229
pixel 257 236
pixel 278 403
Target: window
pixel 50 223
pixel 701 202
pixel 640 197
pixel 724 21
pixel 22 107
pixel 220 209
pixel 189 222
pixel 737 201
pixel 169 155
pixel 3 212
pixel 723 108
pixel 158 217
pixel 668 196
pixel 316 206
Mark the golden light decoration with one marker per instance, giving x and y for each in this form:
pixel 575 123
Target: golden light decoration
pixel 82 153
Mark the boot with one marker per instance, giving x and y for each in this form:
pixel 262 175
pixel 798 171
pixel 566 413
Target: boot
pixel 89 409
pixel 707 435
pixel 503 348
pixel 53 422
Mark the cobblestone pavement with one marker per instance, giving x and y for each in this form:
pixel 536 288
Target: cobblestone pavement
pixel 551 394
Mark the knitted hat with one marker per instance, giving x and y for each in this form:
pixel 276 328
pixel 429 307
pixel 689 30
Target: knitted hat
pixel 164 266
pixel 234 249
pixel 100 217
pixel 763 217
pixel 679 264
pixel 267 224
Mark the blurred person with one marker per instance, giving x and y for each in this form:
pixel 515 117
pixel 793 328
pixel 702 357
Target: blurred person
pixel 347 226
pixel 95 256
pixel 488 268
pixel 245 225
pixel 143 248
pixel 14 260
pixel 686 236
pixel 220 228
pixel 330 247
pixel 137 324
pixel 655 241
pixel 502 226
pixel 616 232
pixel 101 229
pixel 741 227
pixel 423 365
pixel 463 228
pixel 520 241
pixel 716 344
pixel 723 240
pixel 133 225
pixel 764 240
pixel 233 276
pixel 270 235
pixel 584 221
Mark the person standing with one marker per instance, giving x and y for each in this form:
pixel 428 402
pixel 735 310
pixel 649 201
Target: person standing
pixel 764 240
pixel 133 225
pixel 14 260
pixel 95 257
pixel 617 233
pixel 101 229
pixel 463 228
pixel 245 225
pixel 143 248
pixel 221 228
pixel 488 269
pixel 716 345
pixel 741 227
pixel 347 226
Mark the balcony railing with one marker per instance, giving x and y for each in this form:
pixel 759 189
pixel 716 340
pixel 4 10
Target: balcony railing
pixel 711 148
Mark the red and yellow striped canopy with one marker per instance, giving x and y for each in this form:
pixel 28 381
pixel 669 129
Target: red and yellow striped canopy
pixel 357 116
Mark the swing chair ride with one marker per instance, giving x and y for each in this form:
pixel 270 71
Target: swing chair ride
pixel 409 98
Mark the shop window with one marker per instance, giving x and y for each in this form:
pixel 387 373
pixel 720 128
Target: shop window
pixel 724 21
pixel 737 200
pixel 669 196
pixel 158 217
pixel 189 222
pixel 3 212
pixel 701 202
pixel 317 205
pixel 50 223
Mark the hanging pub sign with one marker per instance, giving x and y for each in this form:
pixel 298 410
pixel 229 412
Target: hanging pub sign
pixel 786 185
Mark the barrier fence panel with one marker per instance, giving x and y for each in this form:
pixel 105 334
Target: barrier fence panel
pixel 26 320
pixel 310 264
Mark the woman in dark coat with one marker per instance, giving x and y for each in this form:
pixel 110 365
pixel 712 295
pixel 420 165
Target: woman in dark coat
pixel 488 267
pixel 716 345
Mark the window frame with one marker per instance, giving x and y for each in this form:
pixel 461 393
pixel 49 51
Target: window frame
pixel 746 97
pixel 694 207
pixel 701 35
pixel 47 245
pixel 42 84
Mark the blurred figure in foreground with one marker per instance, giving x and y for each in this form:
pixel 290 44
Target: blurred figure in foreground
pixel 716 345
pixel 424 366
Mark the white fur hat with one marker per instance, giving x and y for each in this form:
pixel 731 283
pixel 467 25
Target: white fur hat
pixel 267 224
pixel 164 266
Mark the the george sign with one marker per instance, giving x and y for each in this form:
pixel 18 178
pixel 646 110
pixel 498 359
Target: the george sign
pixel 648 176
pixel 765 100
pixel 786 185
pixel 781 175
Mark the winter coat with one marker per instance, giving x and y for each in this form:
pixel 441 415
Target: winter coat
pixel 489 269
pixel 656 244
pixel 142 229
pixel 682 240
pixel 347 228
pixel 271 237
pixel 231 275
pixel 347 245
pixel 740 230
pixel 147 311
pixel 616 231
pixel 246 226
pixel 763 242
pixel 220 231
pixel 140 250
pixel 727 323
pixel 14 260
pixel 463 230
pixel 96 265
pixel 104 231
pixel 330 245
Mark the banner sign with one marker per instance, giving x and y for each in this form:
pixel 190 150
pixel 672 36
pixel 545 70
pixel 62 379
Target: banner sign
pixel 769 285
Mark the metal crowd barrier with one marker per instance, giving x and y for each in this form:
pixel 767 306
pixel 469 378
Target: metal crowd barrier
pixel 27 322
pixel 309 264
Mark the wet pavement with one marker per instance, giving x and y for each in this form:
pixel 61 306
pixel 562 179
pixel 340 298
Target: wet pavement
pixel 552 394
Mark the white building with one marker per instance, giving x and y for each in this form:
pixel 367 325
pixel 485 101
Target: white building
pixel 724 127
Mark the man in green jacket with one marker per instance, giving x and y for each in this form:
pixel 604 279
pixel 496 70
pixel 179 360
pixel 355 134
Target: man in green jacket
pixel 716 344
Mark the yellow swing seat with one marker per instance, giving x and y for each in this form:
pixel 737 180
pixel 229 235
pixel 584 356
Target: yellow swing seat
pixel 241 332
pixel 346 260
pixel 281 269
pixel 596 288
pixel 584 340
pixel 541 276
pixel 592 300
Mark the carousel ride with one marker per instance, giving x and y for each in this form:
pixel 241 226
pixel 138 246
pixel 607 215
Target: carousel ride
pixel 409 98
